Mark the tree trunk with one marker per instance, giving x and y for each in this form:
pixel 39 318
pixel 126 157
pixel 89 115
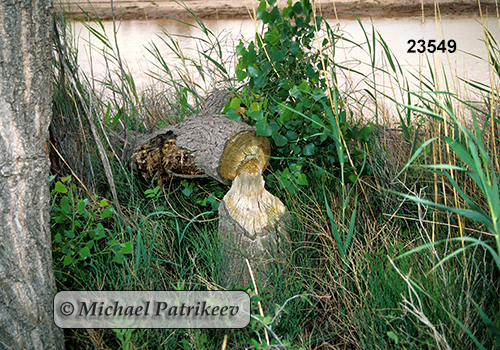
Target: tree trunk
pixel 251 226
pixel 204 145
pixel 27 285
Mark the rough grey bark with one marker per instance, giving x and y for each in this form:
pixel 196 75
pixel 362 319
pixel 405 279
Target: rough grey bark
pixel 192 148
pixel 27 284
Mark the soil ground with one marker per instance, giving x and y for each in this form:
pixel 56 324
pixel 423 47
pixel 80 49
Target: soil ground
pixel 150 9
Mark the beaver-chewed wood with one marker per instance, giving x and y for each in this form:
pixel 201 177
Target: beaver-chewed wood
pixel 203 145
pixel 251 220
pixel 251 226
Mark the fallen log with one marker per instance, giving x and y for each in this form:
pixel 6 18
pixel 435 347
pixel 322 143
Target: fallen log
pixel 212 145
pixel 207 144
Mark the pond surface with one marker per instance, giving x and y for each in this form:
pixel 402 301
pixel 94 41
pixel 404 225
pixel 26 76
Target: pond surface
pixel 464 49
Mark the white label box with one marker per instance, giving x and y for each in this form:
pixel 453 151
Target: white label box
pixel 152 309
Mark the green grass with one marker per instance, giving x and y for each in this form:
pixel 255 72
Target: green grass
pixel 405 257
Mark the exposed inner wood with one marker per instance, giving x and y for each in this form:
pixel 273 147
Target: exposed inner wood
pixel 251 226
pixel 161 159
pixel 251 205
pixel 244 152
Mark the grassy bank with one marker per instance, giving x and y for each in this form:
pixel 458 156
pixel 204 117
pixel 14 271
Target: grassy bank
pixel 393 231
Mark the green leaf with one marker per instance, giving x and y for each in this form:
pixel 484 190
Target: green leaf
pixel 279 139
pixel 68 260
pixel 468 213
pixel 262 128
pixel 309 149
pixel 455 184
pixel 287 12
pixel 262 6
pixel 304 87
pixel 296 149
pixel 106 116
pixel 393 336
pixel 294 47
pixel 69 233
pixel 272 37
pixel 255 298
pixel 302 180
pixel 265 319
pixel 461 153
pixel 295 92
pixel 297 8
pixel 233 114
pixel 214 202
pixel 65 205
pixel 318 94
pixel 252 54
pixel 415 155
pixel 257 115
pixel 149 193
pixel 474 242
pixel 241 49
pixel 279 57
pixel 317 123
pixel 241 75
pixel 254 107
pixel 85 253
pixel 310 72
pixel 335 232
pixel 186 191
pixel 291 135
pixel 364 133
pixel 253 72
pixel 107 213
pixel 103 203
pixel 306 103
pixel 342 117
pixel 118 258
pixel 81 207
pixel 66 178
pixel 100 232
pixel 235 103
pixel 127 248
pixel 66 250
pixel 116 119
pixel 423 111
pixel 353 177
pixel 60 187
pixel 350 233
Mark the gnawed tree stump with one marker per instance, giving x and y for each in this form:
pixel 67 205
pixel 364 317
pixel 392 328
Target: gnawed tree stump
pixel 251 226
pixel 212 145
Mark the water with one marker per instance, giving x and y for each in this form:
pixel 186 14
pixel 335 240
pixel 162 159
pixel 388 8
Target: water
pixel 467 33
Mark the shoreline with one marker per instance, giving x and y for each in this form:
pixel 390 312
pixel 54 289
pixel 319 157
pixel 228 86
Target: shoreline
pixel 220 9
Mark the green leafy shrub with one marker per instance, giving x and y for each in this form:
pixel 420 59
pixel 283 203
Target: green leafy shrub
pixel 291 93
pixel 80 233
